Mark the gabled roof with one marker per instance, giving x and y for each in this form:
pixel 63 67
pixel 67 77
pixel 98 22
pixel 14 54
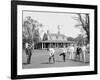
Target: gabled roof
pixel 56 35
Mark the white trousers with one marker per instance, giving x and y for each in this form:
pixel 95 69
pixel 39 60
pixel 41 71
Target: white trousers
pixel 71 55
pixel 84 56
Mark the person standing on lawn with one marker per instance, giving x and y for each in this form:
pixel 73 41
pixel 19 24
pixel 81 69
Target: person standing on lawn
pixel 72 52
pixel 84 53
pixel 28 47
pixel 68 52
pixel 51 55
pixel 78 52
pixel 63 54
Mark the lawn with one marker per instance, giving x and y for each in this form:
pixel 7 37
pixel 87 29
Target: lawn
pixel 39 59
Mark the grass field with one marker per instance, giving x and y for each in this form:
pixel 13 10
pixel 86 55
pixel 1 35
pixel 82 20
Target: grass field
pixel 39 59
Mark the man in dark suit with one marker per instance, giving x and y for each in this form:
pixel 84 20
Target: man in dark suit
pixel 28 47
pixel 78 52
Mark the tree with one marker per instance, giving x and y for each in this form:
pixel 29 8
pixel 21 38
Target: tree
pixel 83 20
pixel 36 37
pixel 79 39
pixel 31 30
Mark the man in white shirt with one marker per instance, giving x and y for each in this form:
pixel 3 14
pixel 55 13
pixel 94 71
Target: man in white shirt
pixel 68 51
pixel 84 53
pixel 72 52
pixel 51 54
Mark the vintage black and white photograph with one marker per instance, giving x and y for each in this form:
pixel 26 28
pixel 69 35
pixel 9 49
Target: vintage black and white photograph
pixel 55 39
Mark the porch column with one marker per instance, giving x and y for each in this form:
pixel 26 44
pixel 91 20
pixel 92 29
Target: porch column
pixel 55 45
pixel 42 45
pixel 50 45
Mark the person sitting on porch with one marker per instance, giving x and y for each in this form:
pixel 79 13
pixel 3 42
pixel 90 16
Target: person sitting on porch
pixel 51 55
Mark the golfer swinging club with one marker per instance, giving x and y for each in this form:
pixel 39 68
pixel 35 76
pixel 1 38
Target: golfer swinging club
pixel 63 54
pixel 51 54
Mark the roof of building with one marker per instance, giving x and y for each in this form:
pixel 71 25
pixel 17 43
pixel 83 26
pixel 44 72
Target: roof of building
pixel 57 41
pixel 56 36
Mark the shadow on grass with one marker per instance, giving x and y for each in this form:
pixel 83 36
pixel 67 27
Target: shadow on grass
pixel 25 64
pixel 46 63
pixel 59 61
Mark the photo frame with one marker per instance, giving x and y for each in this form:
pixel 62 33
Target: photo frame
pixel 20 10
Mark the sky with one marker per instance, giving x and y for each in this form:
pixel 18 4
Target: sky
pixel 51 20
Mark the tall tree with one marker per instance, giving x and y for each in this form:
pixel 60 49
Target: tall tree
pixel 83 20
pixel 31 30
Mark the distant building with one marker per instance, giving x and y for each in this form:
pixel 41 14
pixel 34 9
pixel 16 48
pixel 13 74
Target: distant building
pixel 53 40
